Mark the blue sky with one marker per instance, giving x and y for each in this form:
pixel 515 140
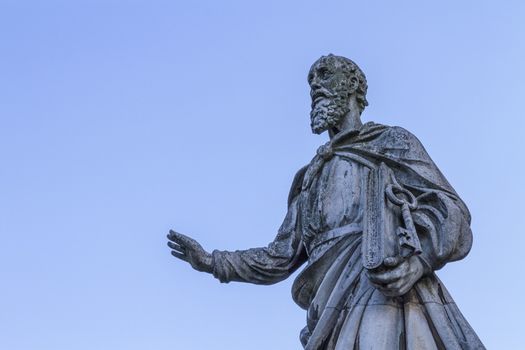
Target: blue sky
pixel 122 119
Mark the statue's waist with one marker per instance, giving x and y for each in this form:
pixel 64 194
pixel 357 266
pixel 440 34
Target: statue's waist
pixel 321 239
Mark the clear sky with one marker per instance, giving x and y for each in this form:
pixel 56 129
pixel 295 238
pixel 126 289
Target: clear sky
pixel 122 119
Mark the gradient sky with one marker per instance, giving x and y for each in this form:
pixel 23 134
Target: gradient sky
pixel 122 119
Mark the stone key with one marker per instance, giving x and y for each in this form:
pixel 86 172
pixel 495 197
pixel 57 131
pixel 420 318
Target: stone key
pixel 408 239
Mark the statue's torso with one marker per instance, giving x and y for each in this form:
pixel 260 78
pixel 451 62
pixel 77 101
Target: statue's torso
pixel 335 199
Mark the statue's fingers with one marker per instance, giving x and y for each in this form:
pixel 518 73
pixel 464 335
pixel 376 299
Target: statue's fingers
pixel 177 247
pixel 391 289
pixel 180 238
pixel 395 286
pixel 176 237
pixel 179 255
pixel 395 272
pixel 383 278
pixel 392 261
pixel 187 241
pixel 404 289
pixel 173 234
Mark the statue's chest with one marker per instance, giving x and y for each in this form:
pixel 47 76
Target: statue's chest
pixel 335 197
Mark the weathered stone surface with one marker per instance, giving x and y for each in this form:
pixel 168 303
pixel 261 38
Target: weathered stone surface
pixel 371 218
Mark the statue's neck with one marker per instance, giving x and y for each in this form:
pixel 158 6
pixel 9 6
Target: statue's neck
pixel 351 121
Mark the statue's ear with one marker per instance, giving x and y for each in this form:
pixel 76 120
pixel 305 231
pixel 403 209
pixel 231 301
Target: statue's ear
pixel 353 84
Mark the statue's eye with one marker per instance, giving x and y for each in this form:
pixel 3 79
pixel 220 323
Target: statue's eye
pixel 324 73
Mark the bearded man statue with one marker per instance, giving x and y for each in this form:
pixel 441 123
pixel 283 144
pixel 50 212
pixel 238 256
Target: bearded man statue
pixel 371 218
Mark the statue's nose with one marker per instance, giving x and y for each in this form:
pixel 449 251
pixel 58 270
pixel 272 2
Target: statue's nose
pixel 315 85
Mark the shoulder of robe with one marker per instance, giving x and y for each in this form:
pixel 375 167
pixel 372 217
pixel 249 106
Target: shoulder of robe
pixel 398 143
pixel 401 136
pixel 297 184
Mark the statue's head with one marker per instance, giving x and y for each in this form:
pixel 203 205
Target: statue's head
pixel 335 81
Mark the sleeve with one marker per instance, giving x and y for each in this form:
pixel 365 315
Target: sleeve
pixel 267 265
pixel 443 225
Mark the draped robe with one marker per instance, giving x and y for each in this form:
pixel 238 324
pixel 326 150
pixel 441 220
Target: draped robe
pixel 329 213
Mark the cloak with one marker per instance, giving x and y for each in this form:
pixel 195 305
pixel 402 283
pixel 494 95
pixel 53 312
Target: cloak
pixel 344 310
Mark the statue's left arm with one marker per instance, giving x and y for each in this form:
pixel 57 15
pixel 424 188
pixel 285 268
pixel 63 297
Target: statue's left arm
pixel 442 220
pixel 443 226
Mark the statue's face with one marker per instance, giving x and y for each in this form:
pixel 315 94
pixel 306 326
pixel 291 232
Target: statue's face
pixel 330 94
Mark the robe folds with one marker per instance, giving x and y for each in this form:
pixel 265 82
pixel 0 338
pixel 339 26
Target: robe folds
pixel 333 208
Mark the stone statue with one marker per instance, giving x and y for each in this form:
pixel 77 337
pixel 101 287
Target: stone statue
pixel 371 218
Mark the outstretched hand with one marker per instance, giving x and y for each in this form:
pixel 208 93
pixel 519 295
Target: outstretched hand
pixel 397 277
pixel 189 250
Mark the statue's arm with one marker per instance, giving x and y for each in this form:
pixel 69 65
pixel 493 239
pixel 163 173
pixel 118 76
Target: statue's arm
pixel 443 225
pixel 442 218
pixel 266 265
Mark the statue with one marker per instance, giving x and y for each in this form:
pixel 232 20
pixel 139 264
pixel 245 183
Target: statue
pixel 372 218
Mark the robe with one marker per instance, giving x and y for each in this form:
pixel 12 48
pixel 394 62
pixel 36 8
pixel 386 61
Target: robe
pixel 334 206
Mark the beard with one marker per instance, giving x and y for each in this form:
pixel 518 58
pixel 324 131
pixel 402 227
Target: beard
pixel 327 113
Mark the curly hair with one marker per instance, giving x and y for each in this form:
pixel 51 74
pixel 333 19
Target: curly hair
pixel 351 70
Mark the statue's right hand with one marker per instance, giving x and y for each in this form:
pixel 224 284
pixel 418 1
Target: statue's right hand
pixel 187 249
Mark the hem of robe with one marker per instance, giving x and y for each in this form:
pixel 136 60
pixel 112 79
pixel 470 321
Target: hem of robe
pixel 346 312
